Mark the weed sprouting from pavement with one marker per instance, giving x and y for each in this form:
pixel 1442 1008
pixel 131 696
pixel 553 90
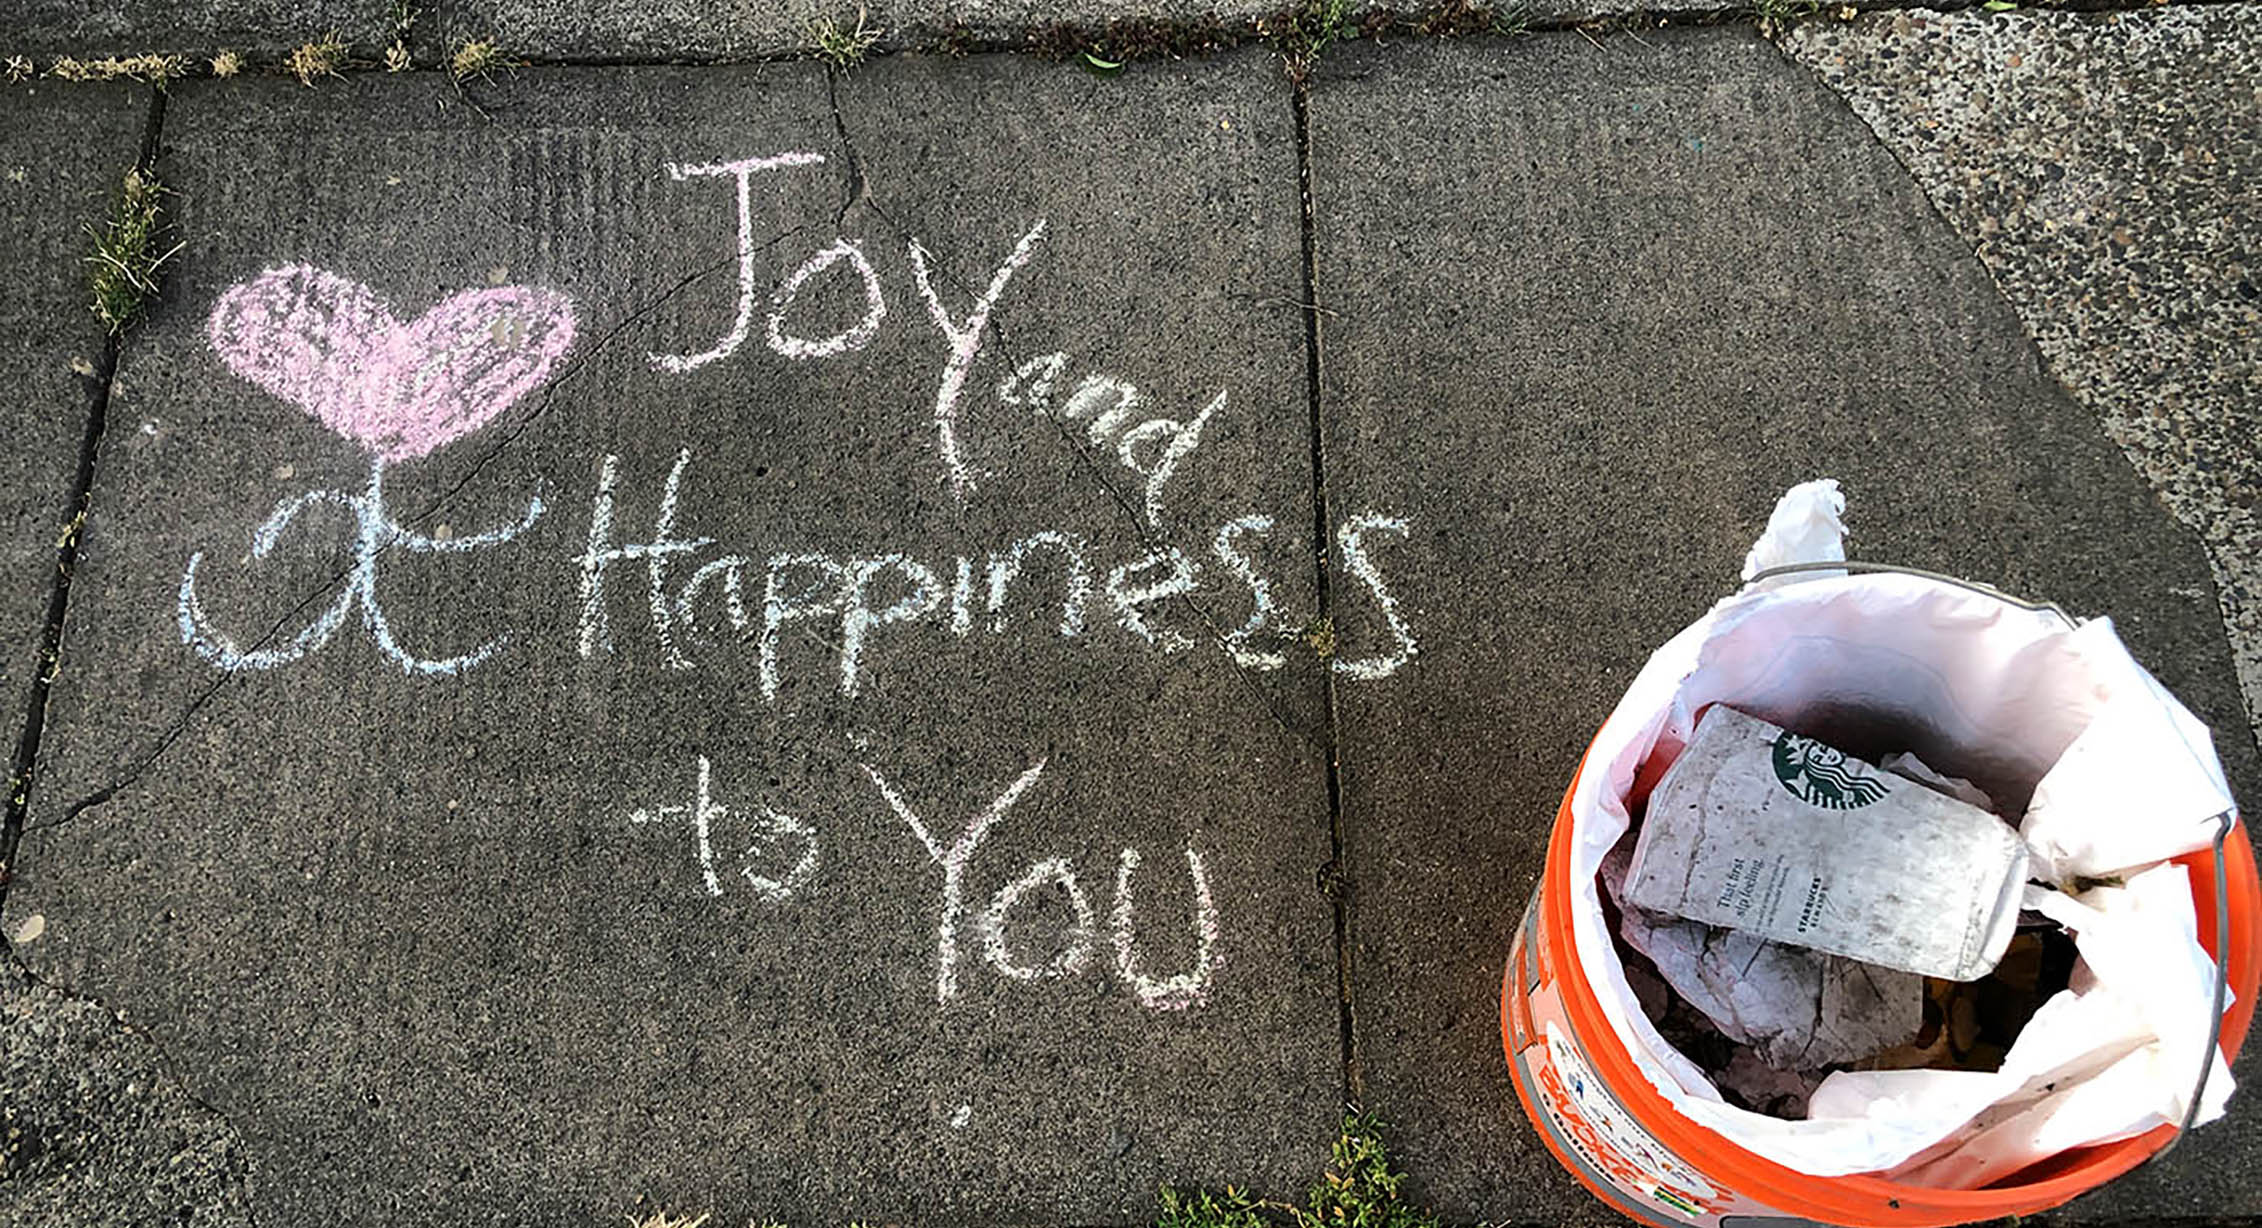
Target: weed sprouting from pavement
pixel 1775 16
pixel 1359 1190
pixel 476 57
pixel 124 265
pixel 226 64
pixel 1309 29
pixel 404 14
pixel 1205 1209
pixel 317 58
pixel 842 45
pixel 153 69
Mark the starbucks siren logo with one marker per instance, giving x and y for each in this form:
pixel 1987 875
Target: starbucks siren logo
pixel 1822 775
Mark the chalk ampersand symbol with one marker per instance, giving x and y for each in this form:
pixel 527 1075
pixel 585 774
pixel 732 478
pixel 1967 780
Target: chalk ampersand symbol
pixel 400 390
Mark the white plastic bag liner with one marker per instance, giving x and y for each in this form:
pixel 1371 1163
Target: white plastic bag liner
pixel 1995 694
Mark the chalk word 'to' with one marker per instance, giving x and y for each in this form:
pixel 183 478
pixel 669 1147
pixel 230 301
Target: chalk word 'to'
pixel 778 839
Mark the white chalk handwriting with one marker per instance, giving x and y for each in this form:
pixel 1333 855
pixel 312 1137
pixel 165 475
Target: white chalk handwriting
pixel 790 848
pixel 861 596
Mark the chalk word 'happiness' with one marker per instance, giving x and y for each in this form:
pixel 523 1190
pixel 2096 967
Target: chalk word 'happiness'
pixel 763 596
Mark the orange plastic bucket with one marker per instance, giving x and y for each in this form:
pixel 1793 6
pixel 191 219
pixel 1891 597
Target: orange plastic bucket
pixel 1623 1141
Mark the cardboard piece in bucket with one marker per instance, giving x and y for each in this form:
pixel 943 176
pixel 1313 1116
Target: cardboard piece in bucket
pixel 2054 721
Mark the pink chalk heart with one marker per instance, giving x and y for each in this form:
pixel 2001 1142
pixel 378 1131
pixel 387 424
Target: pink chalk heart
pixel 330 346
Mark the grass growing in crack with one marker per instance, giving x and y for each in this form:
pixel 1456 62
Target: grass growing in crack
pixel 153 69
pixel 321 57
pixel 226 64
pixel 404 17
pixel 19 68
pixel 125 262
pixel 842 45
pixel 476 57
pixel 1359 1190
pixel 1775 16
pixel 1309 29
pixel 1514 21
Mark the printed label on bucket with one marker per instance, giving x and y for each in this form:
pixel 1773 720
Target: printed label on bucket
pixel 1628 1157
pixel 1586 1125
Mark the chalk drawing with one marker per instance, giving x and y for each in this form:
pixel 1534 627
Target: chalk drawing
pixel 742 171
pixel 1188 988
pixel 782 605
pixel 776 829
pixel 656 553
pixel 965 342
pixel 703 813
pixel 953 861
pixel 1350 537
pixel 1153 449
pixel 773 833
pixel 1131 600
pixel 1006 566
pixel 1181 440
pixel 856 336
pixel 1074 956
pixel 962 599
pixel 839 602
pixel 731 569
pixel 857 618
pixel 1260 593
pixel 1107 401
pixel 1030 385
pixel 400 390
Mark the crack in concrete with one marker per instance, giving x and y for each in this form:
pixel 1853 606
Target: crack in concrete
pixel 1337 874
pixel 158 1063
pixel 1133 512
pixel 432 509
pixel 23 773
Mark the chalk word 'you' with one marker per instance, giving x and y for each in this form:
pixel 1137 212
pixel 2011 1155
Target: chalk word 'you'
pixel 784 856
pixel 856 596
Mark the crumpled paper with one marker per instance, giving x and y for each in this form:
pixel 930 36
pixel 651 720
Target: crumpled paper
pixel 1799 1009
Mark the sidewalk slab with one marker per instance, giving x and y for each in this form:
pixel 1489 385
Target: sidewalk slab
pixel 1626 295
pixel 2105 168
pixel 603 30
pixel 633 913
pixel 63 156
pixel 260 28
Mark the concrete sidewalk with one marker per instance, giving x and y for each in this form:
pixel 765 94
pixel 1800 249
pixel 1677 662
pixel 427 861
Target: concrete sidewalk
pixel 958 640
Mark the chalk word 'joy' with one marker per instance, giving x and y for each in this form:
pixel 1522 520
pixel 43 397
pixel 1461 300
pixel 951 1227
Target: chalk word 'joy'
pixel 962 334
pixel 1075 948
pixel 859 595
pixel 400 390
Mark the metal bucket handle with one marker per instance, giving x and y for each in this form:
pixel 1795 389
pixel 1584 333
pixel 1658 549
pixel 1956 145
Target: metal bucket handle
pixel 2224 822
